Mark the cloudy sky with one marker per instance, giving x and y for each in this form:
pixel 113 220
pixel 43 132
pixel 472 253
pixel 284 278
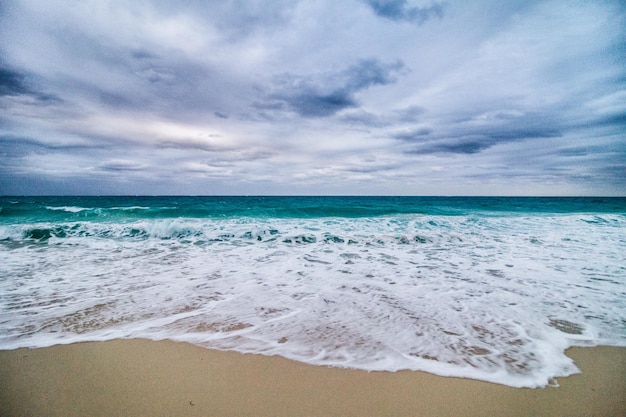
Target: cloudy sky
pixel 320 97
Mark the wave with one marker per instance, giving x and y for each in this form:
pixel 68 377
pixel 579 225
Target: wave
pixel 400 230
pixel 202 232
pixel 69 209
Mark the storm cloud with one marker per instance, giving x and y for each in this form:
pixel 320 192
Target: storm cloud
pixel 400 10
pixel 325 97
pixel 325 94
pixel 11 83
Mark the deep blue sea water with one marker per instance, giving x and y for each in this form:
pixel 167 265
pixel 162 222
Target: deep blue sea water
pixel 487 288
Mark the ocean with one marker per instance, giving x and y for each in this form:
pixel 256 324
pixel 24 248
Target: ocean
pixel 494 289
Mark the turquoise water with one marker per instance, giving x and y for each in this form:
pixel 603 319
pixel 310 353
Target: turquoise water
pixel 487 288
pixel 17 209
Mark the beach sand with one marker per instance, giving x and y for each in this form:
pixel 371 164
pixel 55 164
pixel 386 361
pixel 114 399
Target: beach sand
pixel 147 378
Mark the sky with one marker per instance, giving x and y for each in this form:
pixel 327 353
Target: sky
pixel 313 97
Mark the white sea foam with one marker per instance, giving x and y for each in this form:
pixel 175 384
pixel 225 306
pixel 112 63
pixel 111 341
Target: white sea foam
pixel 131 208
pixel 496 299
pixel 69 209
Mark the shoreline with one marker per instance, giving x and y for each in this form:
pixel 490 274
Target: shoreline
pixel 138 377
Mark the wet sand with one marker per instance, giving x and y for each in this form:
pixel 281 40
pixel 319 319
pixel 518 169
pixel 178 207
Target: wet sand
pixel 146 378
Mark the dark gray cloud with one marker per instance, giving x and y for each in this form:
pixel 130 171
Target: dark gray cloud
pixel 616 120
pixel 466 147
pixel 12 83
pixel 11 145
pixel 401 11
pixel 323 95
pixel 370 168
pixel 16 146
pixel 474 132
pixel 122 166
pixel 369 72
pixel 477 141
pixel 311 103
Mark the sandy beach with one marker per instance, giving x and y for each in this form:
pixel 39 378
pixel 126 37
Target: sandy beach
pixel 146 378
